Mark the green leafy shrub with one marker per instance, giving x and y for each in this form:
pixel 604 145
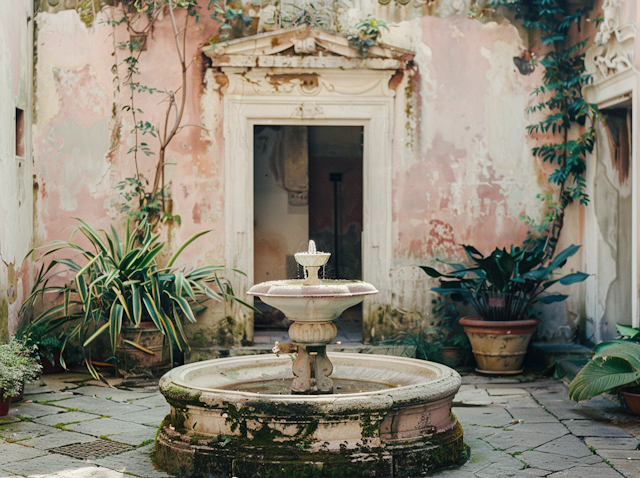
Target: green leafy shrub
pixel 117 282
pixel 505 285
pixel 616 363
pixel 17 366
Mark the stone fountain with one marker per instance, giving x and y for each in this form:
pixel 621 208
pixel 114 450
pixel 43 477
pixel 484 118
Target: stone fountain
pixel 324 415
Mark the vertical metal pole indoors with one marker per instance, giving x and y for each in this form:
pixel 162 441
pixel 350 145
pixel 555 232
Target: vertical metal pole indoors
pixel 335 178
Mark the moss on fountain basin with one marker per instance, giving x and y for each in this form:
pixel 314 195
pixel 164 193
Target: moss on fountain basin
pixel 403 428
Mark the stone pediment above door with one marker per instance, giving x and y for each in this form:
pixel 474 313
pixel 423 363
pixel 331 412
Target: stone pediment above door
pixel 306 61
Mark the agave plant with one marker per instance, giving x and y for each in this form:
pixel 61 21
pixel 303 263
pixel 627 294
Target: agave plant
pixel 505 285
pixel 615 363
pixel 119 281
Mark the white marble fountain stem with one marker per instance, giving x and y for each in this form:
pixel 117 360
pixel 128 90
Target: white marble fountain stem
pixel 312 373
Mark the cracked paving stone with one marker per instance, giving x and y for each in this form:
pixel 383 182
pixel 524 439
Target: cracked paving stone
pixel 483 416
pixel 64 418
pixel 612 443
pixel 531 415
pixel 567 445
pixel 554 462
pixel 55 440
pixel 506 440
pixel 601 470
pixel 23 430
pixel 14 452
pixel 588 428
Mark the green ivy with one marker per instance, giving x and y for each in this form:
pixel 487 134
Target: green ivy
pixel 560 100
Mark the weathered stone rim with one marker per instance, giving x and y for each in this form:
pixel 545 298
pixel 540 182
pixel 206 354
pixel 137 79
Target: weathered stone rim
pixel 435 383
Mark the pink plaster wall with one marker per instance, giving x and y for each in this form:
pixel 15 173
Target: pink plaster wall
pixel 460 188
pixel 465 178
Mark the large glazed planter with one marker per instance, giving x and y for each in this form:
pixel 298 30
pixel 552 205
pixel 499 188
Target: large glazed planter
pixel 499 346
pixel 394 421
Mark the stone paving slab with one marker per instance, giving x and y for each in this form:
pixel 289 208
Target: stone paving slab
pixel 54 440
pixel 568 445
pixel 66 417
pixel 612 443
pixel 48 464
pixel 620 455
pixel 114 429
pixel 49 396
pixel 14 452
pixel 99 406
pixel 600 470
pixel 588 428
pixel 35 410
pixel 555 461
pixel 155 400
pixel 152 417
pixel 134 462
pixel 24 430
pixel 532 415
pixel 113 393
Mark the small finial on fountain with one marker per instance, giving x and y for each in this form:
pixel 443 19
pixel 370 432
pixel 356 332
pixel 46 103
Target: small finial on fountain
pixel 312 261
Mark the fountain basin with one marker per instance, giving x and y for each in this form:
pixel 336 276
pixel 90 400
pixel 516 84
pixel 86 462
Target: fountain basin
pixel 312 303
pixel 235 417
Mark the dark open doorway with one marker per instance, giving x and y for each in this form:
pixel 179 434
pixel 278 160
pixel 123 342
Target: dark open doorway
pixel 308 184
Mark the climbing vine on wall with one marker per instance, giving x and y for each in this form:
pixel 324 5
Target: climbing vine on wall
pixel 566 132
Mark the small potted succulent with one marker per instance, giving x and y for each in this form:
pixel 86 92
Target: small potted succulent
pixel 503 288
pixel 17 367
pixel 615 365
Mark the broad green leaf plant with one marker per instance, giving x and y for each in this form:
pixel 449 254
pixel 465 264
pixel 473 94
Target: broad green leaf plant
pixel 506 285
pixel 615 363
pixel 118 282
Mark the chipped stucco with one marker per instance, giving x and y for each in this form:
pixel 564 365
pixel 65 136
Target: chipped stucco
pixel 16 30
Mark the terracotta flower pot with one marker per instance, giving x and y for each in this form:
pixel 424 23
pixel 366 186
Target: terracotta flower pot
pixel 51 367
pixel 499 346
pixel 452 356
pixel 5 404
pixel 632 399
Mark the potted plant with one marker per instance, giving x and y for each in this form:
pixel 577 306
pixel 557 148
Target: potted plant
pixel 46 345
pixel 117 284
pixel 17 366
pixel 503 288
pixel 455 347
pixel 615 365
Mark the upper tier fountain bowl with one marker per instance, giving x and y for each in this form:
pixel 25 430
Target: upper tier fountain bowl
pixel 263 417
